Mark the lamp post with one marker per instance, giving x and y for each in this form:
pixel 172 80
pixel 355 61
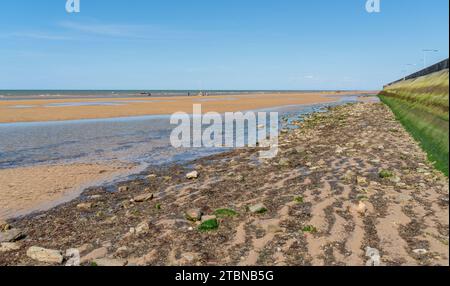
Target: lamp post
pixel 425 51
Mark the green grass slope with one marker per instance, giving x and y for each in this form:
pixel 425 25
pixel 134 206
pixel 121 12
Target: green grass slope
pixel 422 106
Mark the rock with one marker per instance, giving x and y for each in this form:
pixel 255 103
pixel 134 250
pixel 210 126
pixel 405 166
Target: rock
pixel 420 251
pixel 374 257
pixel 208 217
pixel 45 255
pixel 95 197
pixel 108 262
pixel 194 215
pixel 339 150
pixel 361 180
pixel 142 228
pixel 85 206
pixel 348 176
pixel 284 162
pixel 4 226
pixel 123 189
pixel 11 235
pixel 258 208
pixel 151 177
pixel 192 175
pixel 73 256
pixel 143 198
pixel 395 179
pixel 94 254
pixel 361 208
pixel 9 246
pixel 122 251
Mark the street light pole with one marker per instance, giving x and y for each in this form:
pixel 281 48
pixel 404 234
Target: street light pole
pixel 425 51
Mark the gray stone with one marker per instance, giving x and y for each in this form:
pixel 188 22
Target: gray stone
pixel 374 257
pixel 11 235
pixel 420 251
pixel 192 175
pixel 45 255
pixel 73 257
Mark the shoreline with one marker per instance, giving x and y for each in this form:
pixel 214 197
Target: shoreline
pixel 44 110
pixel 333 189
pixel 57 189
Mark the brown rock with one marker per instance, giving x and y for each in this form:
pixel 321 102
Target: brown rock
pixel 45 255
pixel 94 254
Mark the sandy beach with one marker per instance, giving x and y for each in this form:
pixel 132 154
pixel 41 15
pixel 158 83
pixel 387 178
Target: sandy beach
pixel 346 184
pixel 73 109
pixel 28 189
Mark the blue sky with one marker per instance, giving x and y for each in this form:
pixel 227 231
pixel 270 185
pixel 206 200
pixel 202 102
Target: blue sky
pixel 220 44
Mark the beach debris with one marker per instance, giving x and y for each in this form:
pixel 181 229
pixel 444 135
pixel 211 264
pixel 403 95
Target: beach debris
pixel 123 189
pixel 374 257
pixel 94 254
pixel 45 255
pixel 11 235
pixel 193 215
pixel 192 175
pixel 143 198
pixel 109 262
pixel 73 257
pixel 258 208
pixel 9 246
pixel 420 251
pixel 261 126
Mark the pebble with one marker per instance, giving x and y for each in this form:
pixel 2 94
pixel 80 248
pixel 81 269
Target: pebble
pixel 420 251
pixel 123 189
pixel 143 198
pixel 374 257
pixel 192 175
pixel 4 226
pixel 85 206
pixel 45 255
pixel 257 208
pixel 194 215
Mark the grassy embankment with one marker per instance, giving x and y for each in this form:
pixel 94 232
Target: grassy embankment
pixel 422 106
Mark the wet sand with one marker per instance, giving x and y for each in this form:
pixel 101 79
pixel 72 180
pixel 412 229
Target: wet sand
pixel 28 189
pixel 74 109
